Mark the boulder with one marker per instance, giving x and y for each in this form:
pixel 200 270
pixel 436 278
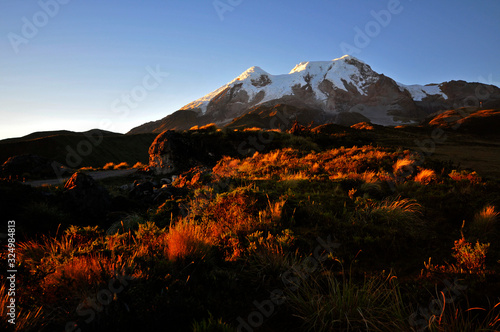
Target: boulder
pixel 83 195
pixel 176 152
pixel 167 152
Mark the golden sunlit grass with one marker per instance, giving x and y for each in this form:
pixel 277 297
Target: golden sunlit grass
pixel 25 320
pixel 139 165
pixel 362 126
pixel 425 176
pixel 77 276
pixel 290 164
pixel 260 218
pixel 485 221
pixel 122 165
pixel 207 127
pixel 109 166
pixel 470 258
pixel 472 177
pixel 187 240
pixel 403 167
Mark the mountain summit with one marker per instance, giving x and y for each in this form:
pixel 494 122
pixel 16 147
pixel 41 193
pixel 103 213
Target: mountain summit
pixel 344 89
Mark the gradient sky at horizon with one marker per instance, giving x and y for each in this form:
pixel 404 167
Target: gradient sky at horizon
pixel 72 71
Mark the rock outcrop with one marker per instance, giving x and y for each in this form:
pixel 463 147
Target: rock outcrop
pixel 174 152
pixel 83 195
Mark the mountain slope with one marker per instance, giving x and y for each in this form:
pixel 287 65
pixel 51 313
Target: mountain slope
pixel 342 88
pixel 84 149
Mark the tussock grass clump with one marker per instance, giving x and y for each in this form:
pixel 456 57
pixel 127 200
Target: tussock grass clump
pixel 425 176
pixel 401 213
pixel 186 239
pixel 397 210
pixel 484 221
pixel 404 167
pixel 329 302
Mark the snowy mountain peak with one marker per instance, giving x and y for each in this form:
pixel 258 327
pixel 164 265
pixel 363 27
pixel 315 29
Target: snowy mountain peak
pixel 323 66
pixel 341 85
pixel 345 90
pixel 252 73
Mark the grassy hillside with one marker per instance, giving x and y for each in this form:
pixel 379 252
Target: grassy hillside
pixel 334 229
pixel 58 145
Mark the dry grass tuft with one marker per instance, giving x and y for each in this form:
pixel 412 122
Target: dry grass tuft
pixel 362 126
pixel 186 239
pixel 122 165
pixel 485 221
pixel 109 166
pixel 425 176
pixel 403 167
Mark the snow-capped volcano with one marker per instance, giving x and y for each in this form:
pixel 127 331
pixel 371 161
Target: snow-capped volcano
pixel 343 88
pixel 261 87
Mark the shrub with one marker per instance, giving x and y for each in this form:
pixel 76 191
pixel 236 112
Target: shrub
pixel 109 166
pixel 470 258
pixel 139 165
pixel 122 165
pixel 464 175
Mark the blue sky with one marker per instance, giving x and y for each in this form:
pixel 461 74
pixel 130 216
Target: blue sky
pixel 70 64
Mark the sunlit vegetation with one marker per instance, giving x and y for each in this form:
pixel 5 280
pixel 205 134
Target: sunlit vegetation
pixel 108 166
pixel 122 165
pixel 139 165
pixel 334 239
